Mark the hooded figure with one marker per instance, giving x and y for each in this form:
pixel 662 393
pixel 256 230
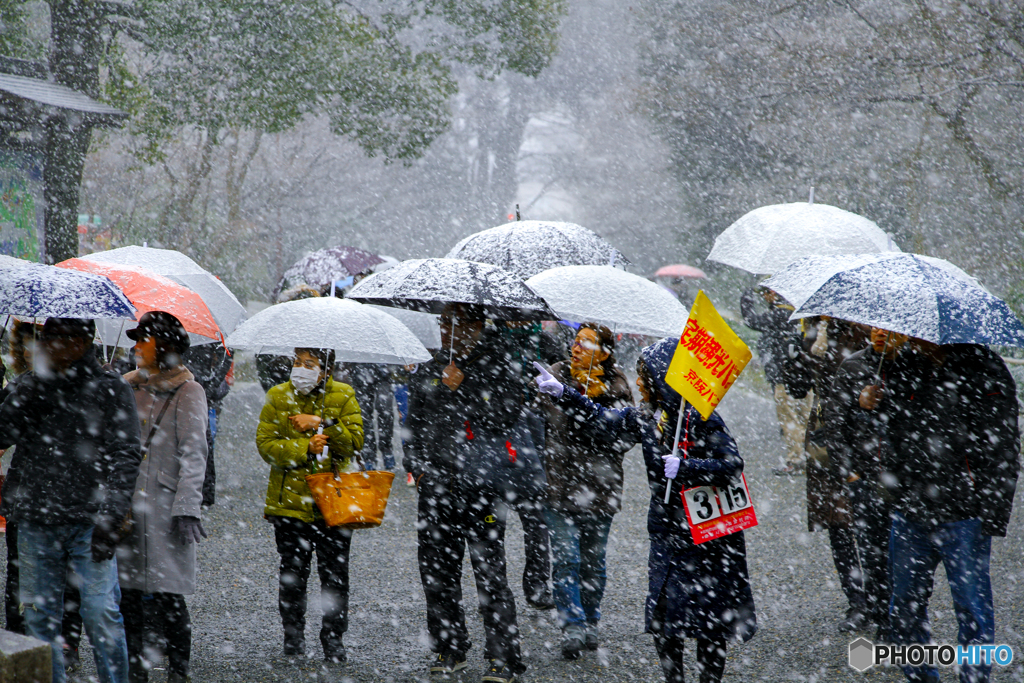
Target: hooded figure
pixel 694 591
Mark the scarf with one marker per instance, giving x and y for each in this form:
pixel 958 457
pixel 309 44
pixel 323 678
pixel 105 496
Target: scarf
pixel 162 382
pixel 594 386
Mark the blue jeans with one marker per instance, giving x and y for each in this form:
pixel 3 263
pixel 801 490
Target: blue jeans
pixel 914 553
pixel 578 574
pixel 45 552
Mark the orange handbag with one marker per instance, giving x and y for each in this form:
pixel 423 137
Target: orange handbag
pixel 354 500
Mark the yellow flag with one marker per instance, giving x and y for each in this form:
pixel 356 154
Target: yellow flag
pixel 708 359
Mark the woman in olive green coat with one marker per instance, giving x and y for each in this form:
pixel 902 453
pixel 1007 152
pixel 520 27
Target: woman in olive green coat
pixel 288 439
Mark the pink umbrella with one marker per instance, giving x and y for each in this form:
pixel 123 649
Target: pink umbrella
pixel 680 270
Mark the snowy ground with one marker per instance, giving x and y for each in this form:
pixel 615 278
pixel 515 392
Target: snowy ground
pixel 237 632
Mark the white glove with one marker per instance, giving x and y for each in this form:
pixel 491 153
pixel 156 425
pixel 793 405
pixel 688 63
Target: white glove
pixel 671 466
pixel 546 382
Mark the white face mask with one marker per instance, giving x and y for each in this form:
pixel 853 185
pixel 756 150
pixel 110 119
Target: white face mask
pixel 305 380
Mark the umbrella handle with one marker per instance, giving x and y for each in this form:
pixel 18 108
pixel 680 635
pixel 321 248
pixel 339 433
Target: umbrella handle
pixel 326 452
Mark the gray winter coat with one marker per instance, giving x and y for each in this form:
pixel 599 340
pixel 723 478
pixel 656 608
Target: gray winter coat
pixel 170 484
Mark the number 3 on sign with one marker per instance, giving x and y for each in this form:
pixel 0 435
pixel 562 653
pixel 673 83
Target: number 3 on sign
pixel 702 504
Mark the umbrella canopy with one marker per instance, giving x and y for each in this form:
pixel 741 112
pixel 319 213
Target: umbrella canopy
pixel 424 325
pixel 768 239
pixel 525 248
pixel 323 267
pixel 680 270
pixel 149 292
pixel 912 295
pixel 612 297
pixel 33 290
pixel 173 265
pixel 357 333
pixel 800 279
pixel 427 285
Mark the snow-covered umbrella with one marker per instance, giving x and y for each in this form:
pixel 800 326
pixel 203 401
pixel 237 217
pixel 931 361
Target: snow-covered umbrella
pixel 428 285
pixel 324 266
pixel 357 333
pixel 909 294
pixel 423 325
pixel 612 297
pixel 800 279
pixel 769 238
pixel 33 290
pixel 174 265
pixel 525 248
pixel 149 292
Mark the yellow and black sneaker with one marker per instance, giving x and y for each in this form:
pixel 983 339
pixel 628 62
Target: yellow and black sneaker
pixel 448 663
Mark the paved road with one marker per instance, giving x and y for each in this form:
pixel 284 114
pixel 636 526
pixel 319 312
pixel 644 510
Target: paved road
pixel 237 632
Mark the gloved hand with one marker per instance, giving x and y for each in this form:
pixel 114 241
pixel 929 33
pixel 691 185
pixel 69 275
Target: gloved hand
pixel 671 465
pixel 189 529
pixel 104 539
pixel 546 382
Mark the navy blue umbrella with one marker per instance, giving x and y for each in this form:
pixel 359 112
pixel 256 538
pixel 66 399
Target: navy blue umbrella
pixel 32 290
pixel 915 296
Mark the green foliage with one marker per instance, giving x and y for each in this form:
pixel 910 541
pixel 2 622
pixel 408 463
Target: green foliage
pixel 265 64
pixel 14 32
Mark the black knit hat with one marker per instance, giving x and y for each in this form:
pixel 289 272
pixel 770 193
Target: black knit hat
pixel 162 326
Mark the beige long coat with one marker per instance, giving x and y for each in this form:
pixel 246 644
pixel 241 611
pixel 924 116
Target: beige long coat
pixel 170 484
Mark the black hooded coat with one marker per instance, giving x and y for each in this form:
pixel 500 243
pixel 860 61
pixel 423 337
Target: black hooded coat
pixel 705 587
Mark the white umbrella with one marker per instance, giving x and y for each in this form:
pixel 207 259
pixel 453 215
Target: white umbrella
pixel 802 278
pixel 527 248
pixel 768 239
pixel 428 285
pixel 612 297
pixel 174 265
pixel 423 325
pixel 357 333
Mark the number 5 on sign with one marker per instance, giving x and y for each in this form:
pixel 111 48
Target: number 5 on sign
pixel 714 512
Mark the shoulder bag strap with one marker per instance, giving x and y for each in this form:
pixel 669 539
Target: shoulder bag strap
pixel 156 423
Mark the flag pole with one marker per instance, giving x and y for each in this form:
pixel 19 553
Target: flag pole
pixel 675 448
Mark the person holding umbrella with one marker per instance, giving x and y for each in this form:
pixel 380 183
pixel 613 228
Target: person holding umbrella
pixel 157 559
pixel 855 423
pixel 302 417
pixel 469 396
pixel 952 420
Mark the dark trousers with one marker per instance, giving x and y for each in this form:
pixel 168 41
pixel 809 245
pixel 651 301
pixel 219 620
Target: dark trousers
pixel 710 653
pixel 450 518
pixel 377 400
pixel 156 623
pixel 872 519
pixel 536 546
pixel 844 555
pixel 71 626
pixel 296 541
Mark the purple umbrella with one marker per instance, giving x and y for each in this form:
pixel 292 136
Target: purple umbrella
pixel 322 267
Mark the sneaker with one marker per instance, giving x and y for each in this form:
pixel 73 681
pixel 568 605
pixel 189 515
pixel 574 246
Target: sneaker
pixel 540 598
pixel 72 662
pixel 591 637
pixel 336 655
pixel 855 620
pixel 572 642
pixel 500 672
pixel 448 663
pixel 787 470
pixel 409 481
pixel 294 647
